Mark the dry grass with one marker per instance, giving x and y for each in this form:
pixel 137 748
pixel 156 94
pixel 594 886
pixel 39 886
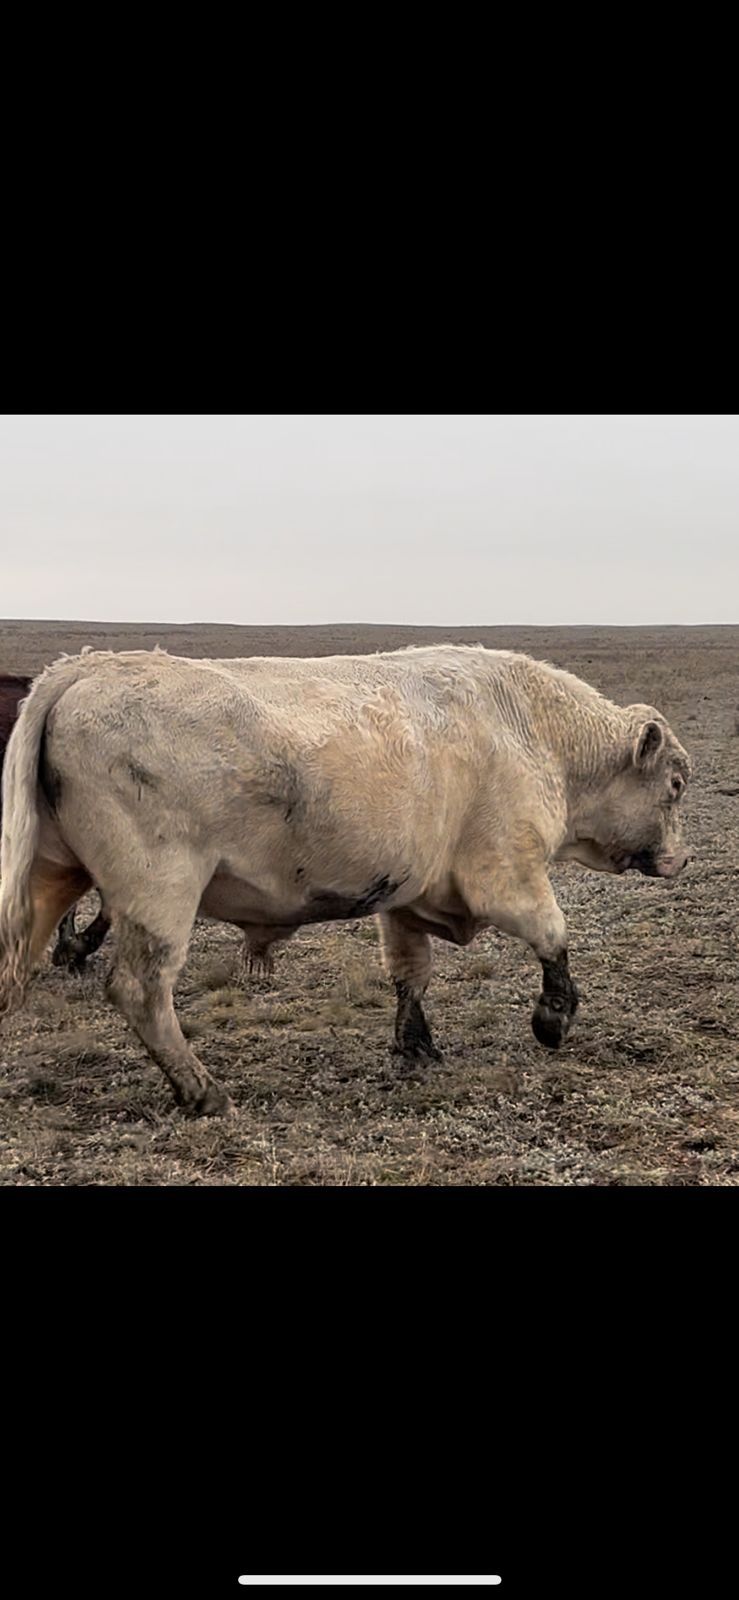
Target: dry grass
pixel 646 1090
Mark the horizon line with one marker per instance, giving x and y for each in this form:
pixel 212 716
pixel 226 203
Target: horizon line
pixel 107 622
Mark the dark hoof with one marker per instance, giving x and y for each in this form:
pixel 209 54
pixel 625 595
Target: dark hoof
pixel 417 1051
pixel 413 1039
pixel 261 966
pixel 70 960
pixel 551 1026
pixel 214 1103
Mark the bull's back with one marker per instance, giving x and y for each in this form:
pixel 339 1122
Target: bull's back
pixel 343 780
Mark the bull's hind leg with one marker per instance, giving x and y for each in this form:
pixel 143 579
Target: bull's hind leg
pixel 141 984
pixel 406 957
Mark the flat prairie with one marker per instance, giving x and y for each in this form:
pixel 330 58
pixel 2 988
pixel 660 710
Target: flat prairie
pixel 645 1090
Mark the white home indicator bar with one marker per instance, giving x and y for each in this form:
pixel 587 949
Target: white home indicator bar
pixel 450 1582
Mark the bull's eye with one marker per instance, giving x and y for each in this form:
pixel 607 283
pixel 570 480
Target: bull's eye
pixel 677 787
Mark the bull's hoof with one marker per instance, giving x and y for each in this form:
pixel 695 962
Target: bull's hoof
pixel 417 1052
pixel 261 964
pixel 413 1040
pixel 214 1103
pixel 70 959
pixel 551 1026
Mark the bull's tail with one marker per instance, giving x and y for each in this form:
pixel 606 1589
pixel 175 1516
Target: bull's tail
pixel 20 827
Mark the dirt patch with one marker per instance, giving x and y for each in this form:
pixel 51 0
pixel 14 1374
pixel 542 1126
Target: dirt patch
pixel 645 1091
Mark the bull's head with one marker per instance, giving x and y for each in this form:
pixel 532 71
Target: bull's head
pixel 634 818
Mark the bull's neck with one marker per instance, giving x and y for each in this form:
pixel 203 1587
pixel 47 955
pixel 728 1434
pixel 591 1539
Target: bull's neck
pixel 586 743
pixel 575 731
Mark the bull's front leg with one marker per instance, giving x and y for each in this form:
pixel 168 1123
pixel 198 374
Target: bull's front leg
pixel 557 1002
pixel 542 925
pixel 524 905
pixel 406 957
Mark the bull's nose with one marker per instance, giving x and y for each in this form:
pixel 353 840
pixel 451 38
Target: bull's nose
pixel 670 866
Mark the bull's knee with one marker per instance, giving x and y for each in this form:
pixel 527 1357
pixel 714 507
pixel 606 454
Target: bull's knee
pixel 545 930
pixel 557 1003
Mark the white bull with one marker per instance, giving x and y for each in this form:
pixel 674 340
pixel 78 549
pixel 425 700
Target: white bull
pixel 430 786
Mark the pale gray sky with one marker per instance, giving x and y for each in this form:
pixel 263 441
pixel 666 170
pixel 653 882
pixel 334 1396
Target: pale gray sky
pixel 379 518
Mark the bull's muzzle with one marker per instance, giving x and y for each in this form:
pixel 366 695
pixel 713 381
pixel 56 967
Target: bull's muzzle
pixel 667 866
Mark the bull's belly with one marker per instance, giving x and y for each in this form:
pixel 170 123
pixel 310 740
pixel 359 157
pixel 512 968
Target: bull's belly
pixel 248 904
pixel 231 899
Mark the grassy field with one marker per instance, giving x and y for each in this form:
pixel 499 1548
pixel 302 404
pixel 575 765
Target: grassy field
pixel 645 1091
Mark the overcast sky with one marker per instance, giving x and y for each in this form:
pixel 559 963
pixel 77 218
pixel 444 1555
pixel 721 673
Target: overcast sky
pixel 418 519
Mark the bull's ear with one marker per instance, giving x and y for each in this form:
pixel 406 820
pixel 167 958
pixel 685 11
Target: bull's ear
pixel 649 743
